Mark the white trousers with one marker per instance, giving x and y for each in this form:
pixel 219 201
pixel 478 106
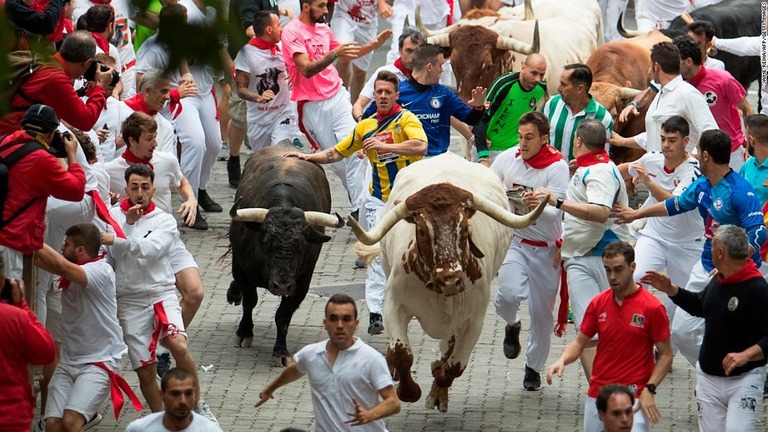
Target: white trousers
pixel 375 280
pixel 729 404
pixel 687 330
pixel 347 30
pixel 592 422
pixel 199 134
pixel 586 279
pixel 654 254
pixel 611 10
pixel 528 274
pixel 285 128
pixel 327 122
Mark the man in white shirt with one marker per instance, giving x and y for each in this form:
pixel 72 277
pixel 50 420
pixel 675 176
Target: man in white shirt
pixel 178 394
pixel 352 389
pixel 588 228
pixel 92 340
pixel 676 97
pixel 656 14
pixel 531 268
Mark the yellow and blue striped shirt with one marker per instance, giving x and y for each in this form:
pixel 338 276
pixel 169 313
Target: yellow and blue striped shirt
pixel 398 128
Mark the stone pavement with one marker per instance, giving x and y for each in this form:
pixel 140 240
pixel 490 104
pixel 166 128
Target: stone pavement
pixel 488 397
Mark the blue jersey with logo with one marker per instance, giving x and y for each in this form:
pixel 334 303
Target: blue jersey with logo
pixel 433 105
pixel 732 201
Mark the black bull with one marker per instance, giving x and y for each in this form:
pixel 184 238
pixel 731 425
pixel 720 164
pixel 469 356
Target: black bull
pixel 279 249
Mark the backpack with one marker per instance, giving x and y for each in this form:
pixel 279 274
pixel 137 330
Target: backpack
pixel 20 66
pixel 5 166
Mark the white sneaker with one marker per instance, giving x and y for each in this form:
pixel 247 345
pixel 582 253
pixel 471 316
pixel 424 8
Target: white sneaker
pixel 95 420
pixel 40 426
pixel 224 152
pixel 204 410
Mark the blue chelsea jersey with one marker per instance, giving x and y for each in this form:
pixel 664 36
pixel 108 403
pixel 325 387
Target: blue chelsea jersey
pixel 732 201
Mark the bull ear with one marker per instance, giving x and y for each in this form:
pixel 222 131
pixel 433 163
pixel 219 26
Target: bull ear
pixel 474 249
pixel 314 236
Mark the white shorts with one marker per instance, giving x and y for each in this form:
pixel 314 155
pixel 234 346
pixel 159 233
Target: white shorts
pixel 80 388
pixel 688 330
pixel 181 258
pixel 53 309
pixel 592 422
pixel 14 262
pixel 263 135
pixel 347 30
pixel 140 327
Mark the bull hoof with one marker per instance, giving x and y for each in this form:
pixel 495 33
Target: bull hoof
pixel 234 295
pixel 282 361
pixel 438 398
pixel 243 342
pixel 408 391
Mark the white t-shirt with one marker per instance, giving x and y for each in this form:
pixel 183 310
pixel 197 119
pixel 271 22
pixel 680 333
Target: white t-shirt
pixel 109 117
pixel 359 373
pixel 154 55
pixel 599 184
pixel 267 72
pixel 514 172
pixel 367 91
pixel 167 177
pixel 154 423
pixel 359 11
pixel 90 331
pixel 713 63
pixel 685 227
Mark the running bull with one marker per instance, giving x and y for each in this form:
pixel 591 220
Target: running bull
pixel 281 208
pixel 443 235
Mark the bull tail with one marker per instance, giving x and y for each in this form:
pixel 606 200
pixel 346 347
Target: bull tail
pixel 367 253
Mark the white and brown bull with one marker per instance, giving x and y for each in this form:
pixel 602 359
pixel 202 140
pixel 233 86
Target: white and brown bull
pixel 486 44
pixel 443 235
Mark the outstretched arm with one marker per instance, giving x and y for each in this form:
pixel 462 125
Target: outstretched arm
pixel 289 375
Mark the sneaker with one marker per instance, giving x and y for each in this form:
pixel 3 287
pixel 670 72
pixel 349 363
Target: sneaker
pixel 512 341
pixel 571 316
pixel 200 223
pixel 95 420
pixel 765 390
pixel 233 170
pixel 532 380
pixel 204 410
pixel 298 144
pixel 207 203
pixel 163 364
pixel 39 426
pixel 360 264
pixel 377 324
pixel 224 152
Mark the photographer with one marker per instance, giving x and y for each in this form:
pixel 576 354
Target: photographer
pixel 51 85
pixel 32 179
pixel 22 339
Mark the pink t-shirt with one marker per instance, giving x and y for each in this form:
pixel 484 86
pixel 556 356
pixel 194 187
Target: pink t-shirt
pixel 314 41
pixel 723 93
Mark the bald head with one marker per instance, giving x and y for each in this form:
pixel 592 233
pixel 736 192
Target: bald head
pixel 533 71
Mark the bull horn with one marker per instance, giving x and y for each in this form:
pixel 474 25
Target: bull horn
pixel 512 44
pixel 323 219
pixel 442 40
pixel 249 214
pixel 624 32
pixel 504 216
pixel 406 23
pixel 387 221
pixel 528 10
pixel 628 92
pixel 420 23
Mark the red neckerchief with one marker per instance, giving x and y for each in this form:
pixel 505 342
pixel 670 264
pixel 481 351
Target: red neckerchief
pixel 62 62
pixel 593 158
pixel 101 2
pixel 101 42
pixel 69 26
pixel 546 156
pixel 264 45
pixel 132 159
pixel 126 205
pixel 401 68
pixel 137 103
pixel 696 79
pixel 382 117
pixel 747 272
pixel 64 283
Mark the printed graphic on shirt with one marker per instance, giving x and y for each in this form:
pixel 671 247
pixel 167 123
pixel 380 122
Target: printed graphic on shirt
pixel 386 157
pixel 638 321
pixel 269 81
pixel 711 98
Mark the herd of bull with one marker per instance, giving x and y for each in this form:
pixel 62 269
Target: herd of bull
pixel 447 225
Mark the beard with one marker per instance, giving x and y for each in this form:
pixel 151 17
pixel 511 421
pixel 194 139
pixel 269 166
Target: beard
pixel 317 19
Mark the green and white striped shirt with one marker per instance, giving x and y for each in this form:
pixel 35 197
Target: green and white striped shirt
pixel 563 123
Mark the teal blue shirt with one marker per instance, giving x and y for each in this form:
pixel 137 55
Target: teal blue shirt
pixel 757 176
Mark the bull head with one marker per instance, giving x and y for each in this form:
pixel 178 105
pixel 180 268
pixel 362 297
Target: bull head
pixel 258 215
pixel 443 254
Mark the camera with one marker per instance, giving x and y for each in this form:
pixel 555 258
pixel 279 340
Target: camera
pixel 90 73
pixel 6 294
pixel 57 147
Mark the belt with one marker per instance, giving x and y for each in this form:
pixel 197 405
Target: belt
pixel 541 243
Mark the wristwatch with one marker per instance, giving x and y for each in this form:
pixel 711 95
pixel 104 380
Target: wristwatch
pixel 558 203
pixel 651 388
